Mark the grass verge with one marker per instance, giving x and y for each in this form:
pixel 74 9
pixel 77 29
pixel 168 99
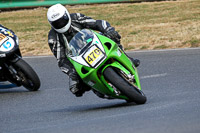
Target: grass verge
pixel 147 25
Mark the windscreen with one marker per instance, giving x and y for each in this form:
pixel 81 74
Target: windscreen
pixel 80 42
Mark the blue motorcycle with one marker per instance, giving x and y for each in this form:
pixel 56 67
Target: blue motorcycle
pixel 12 67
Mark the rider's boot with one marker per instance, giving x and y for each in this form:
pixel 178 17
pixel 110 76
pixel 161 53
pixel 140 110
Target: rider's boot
pixel 75 88
pixel 78 88
pixel 136 62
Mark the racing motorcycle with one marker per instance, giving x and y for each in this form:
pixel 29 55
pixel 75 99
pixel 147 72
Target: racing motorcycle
pixel 12 67
pixel 103 66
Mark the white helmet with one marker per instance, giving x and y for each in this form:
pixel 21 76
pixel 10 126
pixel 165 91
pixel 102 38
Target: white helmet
pixel 59 18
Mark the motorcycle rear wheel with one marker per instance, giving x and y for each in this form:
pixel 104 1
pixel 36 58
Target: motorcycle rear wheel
pixel 134 94
pixel 30 79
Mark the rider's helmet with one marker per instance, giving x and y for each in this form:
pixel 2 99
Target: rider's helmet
pixel 59 18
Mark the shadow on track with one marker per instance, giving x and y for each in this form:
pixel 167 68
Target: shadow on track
pixel 93 107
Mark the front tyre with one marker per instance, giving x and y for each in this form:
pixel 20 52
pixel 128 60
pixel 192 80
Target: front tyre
pixel 30 79
pixel 124 87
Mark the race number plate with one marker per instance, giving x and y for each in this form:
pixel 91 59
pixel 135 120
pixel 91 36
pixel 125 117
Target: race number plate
pixel 93 55
pixel 3 38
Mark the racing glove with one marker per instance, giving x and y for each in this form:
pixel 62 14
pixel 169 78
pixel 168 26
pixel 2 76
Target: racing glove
pixel 112 34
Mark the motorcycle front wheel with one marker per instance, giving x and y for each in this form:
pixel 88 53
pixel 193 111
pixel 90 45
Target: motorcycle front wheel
pixel 133 94
pixel 29 78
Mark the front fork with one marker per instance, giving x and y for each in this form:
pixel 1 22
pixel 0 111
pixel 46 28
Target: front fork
pixel 132 78
pixel 13 74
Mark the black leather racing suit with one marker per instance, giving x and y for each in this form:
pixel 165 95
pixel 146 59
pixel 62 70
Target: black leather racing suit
pixel 57 44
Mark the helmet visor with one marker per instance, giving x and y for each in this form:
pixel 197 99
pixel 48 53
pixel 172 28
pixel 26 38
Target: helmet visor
pixel 61 22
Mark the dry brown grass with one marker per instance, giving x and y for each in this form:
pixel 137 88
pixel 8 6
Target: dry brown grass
pixel 148 25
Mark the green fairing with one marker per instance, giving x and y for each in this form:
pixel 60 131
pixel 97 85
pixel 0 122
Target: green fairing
pixel 95 76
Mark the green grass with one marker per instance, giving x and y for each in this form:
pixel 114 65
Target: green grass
pixel 144 47
pixel 129 48
pixel 194 42
pixel 147 25
pixel 160 47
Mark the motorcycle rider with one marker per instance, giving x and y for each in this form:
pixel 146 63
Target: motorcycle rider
pixel 63 27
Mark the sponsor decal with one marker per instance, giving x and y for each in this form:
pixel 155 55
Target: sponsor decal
pixel 119 53
pixel 6 32
pixel 10 33
pixel 7 45
pixel 3 38
pixel 55 15
pixel 89 40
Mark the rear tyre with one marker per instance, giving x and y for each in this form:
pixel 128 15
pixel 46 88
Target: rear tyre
pixel 124 87
pixel 30 79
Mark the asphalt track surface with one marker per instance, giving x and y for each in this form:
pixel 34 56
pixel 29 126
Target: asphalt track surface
pixel 170 79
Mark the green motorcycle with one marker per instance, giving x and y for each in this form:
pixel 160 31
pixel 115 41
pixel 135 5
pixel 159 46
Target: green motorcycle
pixel 104 67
